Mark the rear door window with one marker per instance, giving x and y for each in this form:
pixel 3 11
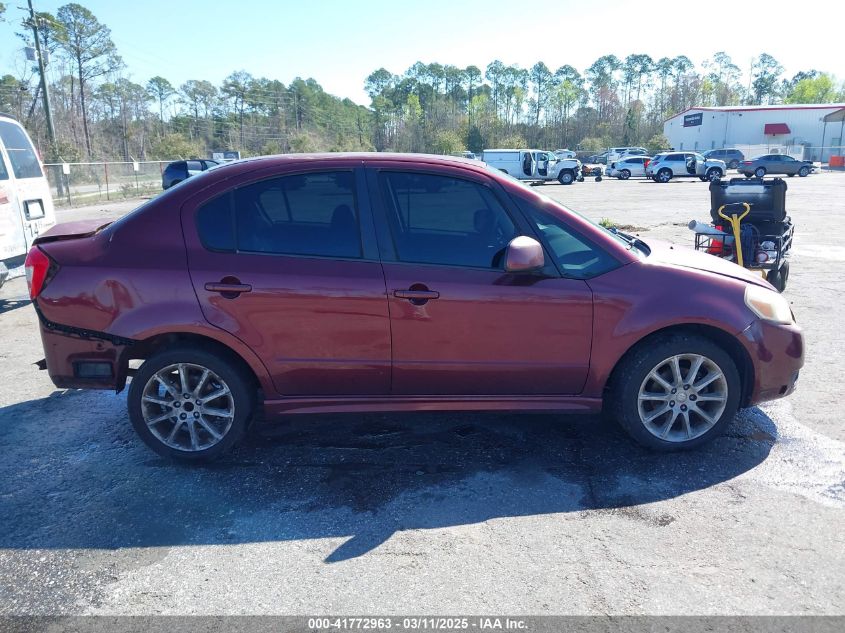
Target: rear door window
pixel 444 220
pixel 305 214
pixel 21 153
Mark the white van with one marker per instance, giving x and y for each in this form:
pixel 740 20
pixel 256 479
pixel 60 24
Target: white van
pixel 533 165
pixel 26 205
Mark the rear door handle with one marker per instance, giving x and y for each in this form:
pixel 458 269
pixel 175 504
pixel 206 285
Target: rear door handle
pixel 239 288
pixel 417 294
pixel 229 288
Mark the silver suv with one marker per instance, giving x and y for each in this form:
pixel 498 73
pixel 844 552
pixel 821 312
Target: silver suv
pixel 668 165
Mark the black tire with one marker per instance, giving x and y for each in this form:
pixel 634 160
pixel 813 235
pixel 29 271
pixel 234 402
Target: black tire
pixel 664 175
pixel 733 164
pixel 566 177
pixel 714 173
pixel 598 178
pixel 804 172
pixel 703 178
pixel 624 174
pixel 631 373
pixel 747 175
pixel 760 172
pixel 779 277
pixel 580 179
pixel 226 367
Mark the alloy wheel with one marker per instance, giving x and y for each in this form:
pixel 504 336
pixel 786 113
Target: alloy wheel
pixel 187 407
pixel 682 397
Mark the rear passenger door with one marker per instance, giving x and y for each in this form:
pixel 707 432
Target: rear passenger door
pixel 289 265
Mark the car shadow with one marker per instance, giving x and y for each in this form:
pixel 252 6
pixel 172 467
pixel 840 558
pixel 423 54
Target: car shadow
pixel 7 305
pixel 74 475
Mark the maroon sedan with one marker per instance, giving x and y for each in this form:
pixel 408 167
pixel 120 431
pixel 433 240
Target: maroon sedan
pixel 378 282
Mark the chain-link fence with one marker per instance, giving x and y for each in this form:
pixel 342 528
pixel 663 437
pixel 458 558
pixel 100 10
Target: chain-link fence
pixel 84 183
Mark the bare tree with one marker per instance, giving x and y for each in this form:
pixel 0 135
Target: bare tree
pixel 88 43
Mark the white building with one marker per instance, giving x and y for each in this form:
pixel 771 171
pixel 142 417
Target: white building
pixel 795 129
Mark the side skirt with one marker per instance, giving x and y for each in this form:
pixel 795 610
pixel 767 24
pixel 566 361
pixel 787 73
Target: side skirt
pixel 362 404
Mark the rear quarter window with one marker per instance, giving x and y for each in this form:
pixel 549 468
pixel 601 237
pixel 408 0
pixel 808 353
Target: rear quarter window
pixel 215 224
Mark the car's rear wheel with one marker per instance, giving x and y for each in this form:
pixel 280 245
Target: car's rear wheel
pixel 760 172
pixel 676 393
pixel 664 175
pixel 804 172
pixel 190 404
pixel 733 164
pixel 624 174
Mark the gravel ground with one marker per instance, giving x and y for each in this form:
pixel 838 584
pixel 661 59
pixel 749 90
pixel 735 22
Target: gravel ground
pixel 445 513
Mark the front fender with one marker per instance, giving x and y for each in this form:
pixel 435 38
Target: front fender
pixel 637 300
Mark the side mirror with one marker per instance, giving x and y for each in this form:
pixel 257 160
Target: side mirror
pixel 524 254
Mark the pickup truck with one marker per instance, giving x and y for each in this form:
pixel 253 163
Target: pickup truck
pixel 533 165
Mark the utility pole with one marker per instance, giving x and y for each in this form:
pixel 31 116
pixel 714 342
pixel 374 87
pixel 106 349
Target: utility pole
pixel 45 93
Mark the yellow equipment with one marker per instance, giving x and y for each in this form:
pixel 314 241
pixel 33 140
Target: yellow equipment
pixel 735 221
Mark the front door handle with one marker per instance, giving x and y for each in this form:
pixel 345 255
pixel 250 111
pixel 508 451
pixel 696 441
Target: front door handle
pixel 229 287
pixel 417 294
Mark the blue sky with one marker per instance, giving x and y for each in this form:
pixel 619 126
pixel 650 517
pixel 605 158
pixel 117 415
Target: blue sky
pixel 339 43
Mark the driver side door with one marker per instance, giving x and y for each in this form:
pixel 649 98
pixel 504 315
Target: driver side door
pixel 461 324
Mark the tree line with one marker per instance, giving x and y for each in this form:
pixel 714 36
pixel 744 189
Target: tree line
pixel 101 114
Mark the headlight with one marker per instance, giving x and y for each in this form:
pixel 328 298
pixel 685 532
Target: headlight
pixel 768 305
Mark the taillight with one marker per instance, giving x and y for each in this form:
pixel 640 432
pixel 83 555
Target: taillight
pixel 37 265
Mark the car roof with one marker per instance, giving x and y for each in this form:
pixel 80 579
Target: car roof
pixel 233 168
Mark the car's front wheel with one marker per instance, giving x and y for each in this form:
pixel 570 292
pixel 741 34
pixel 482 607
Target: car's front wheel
pixel 190 404
pixel 804 172
pixel 566 177
pixel 675 393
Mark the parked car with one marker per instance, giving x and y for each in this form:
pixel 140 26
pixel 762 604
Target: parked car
pixel 732 157
pixel 26 205
pixel 667 165
pixel 775 164
pixel 615 153
pixel 625 168
pixel 598 159
pixel 260 285
pixel 533 165
pixel 180 170
pixel 565 153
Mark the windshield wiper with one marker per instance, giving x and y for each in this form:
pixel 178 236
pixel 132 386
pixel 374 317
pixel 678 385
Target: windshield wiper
pixel 633 241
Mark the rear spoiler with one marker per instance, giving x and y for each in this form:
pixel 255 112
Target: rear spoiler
pixel 70 231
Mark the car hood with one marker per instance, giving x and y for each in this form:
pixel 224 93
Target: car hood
pixel 675 255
